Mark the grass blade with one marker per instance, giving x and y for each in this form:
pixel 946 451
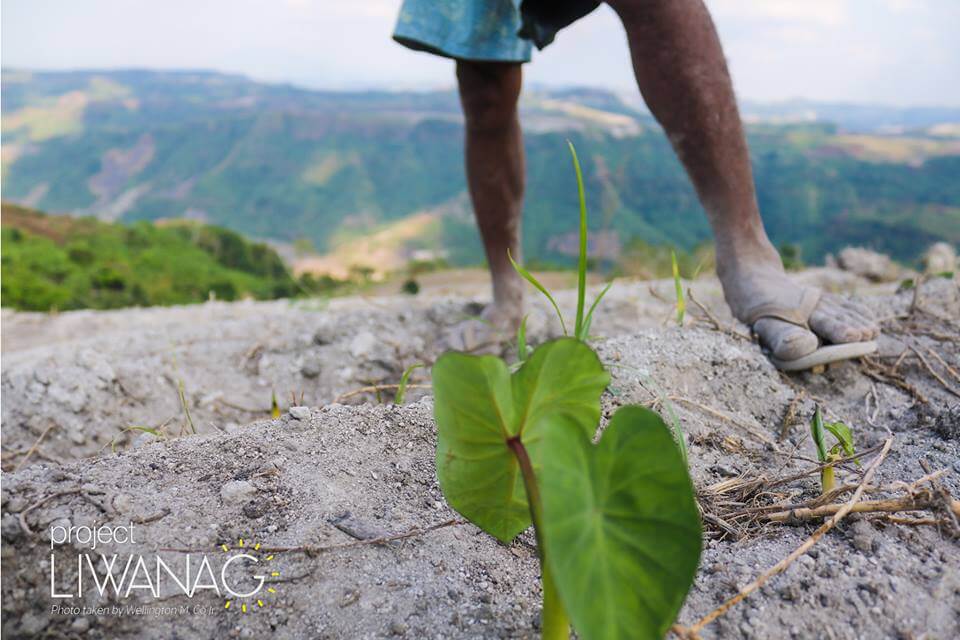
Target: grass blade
pixel 582 260
pixel 589 319
pixel 522 341
pixel 404 380
pixel 274 406
pixel 681 302
pixel 539 287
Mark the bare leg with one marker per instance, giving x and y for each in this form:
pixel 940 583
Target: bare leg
pixel 682 74
pixel 495 175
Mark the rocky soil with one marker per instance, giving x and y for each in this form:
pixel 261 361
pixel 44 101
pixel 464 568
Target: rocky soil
pixel 81 389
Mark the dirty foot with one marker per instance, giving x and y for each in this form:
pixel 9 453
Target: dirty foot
pixel 793 321
pixel 486 332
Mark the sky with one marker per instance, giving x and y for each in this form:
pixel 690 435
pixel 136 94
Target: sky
pixel 895 52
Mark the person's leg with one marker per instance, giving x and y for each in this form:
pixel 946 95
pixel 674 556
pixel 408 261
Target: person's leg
pixel 489 92
pixel 683 77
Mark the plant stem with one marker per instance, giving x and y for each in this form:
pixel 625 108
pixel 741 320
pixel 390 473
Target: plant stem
pixel 555 625
pixel 827 480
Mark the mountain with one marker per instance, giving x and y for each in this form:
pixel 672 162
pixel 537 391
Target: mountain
pixel 288 164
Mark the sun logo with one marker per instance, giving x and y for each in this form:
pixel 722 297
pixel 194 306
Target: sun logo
pixel 244 600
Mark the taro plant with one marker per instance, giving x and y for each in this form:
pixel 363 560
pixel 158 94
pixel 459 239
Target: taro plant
pixel 616 523
pixel 842 447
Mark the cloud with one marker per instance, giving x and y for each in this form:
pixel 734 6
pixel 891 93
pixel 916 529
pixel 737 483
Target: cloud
pixel 826 13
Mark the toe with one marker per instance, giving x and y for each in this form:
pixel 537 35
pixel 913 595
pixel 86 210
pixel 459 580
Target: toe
pixel 863 317
pixel 835 324
pixel 786 341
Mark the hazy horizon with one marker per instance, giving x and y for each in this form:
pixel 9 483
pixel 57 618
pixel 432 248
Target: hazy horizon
pixel 896 53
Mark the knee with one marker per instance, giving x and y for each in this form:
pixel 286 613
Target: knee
pixel 488 92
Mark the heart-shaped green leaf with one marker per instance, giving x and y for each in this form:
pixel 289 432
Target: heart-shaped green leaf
pixel 620 526
pixel 479 407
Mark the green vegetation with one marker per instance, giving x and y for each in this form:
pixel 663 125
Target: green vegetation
pixel 313 166
pixel 678 287
pixel 516 449
pixel 404 381
pixel 56 262
pixel 842 447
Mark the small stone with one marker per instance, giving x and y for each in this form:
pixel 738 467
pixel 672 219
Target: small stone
pixel 724 470
pixel 80 625
pixel 398 628
pixel 16 505
pixel 10 527
pixel 32 623
pixel 255 509
pixel 863 536
pixel 363 344
pixel 122 503
pixel 940 258
pixel 300 413
pixel 310 369
pixel 237 491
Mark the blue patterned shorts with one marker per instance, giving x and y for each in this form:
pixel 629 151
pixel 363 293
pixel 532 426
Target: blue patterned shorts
pixel 491 30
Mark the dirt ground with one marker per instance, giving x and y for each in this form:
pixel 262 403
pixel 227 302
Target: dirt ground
pixel 321 482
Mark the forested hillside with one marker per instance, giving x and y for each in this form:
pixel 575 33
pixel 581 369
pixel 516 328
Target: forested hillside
pixel 60 263
pixel 284 163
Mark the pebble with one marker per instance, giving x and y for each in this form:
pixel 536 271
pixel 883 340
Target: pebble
pixel 310 369
pixel 863 536
pixel 300 413
pixel 237 491
pixel 10 527
pixel 80 625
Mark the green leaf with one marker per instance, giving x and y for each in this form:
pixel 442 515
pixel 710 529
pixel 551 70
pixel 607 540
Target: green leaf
pixel 582 260
pixel 522 340
pixel 526 275
pixel 585 329
pixel 621 527
pixel 479 406
pixel 843 435
pixel 404 381
pixel 819 437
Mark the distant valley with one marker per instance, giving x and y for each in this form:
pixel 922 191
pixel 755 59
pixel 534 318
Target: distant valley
pixel 356 175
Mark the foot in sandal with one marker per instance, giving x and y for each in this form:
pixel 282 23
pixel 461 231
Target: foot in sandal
pixel 800 327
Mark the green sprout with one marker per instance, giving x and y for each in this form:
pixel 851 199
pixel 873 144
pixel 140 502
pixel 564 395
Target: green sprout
pixel 842 447
pixel 681 302
pixel 274 405
pixel 582 324
pixel 616 521
pixel 404 381
pixel 522 349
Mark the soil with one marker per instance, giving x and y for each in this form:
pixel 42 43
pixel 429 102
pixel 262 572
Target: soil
pixel 340 467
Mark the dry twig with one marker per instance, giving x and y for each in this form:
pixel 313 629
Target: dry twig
pixel 799 551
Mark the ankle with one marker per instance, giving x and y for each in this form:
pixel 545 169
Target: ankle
pixel 739 256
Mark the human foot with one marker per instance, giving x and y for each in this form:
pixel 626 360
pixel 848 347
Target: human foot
pixel 495 325
pixel 483 333
pixel 793 321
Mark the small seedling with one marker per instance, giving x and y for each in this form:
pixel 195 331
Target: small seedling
pixel 617 526
pixel 274 405
pixel 582 324
pixel 842 447
pixel 681 302
pixel 404 381
pixel 522 349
